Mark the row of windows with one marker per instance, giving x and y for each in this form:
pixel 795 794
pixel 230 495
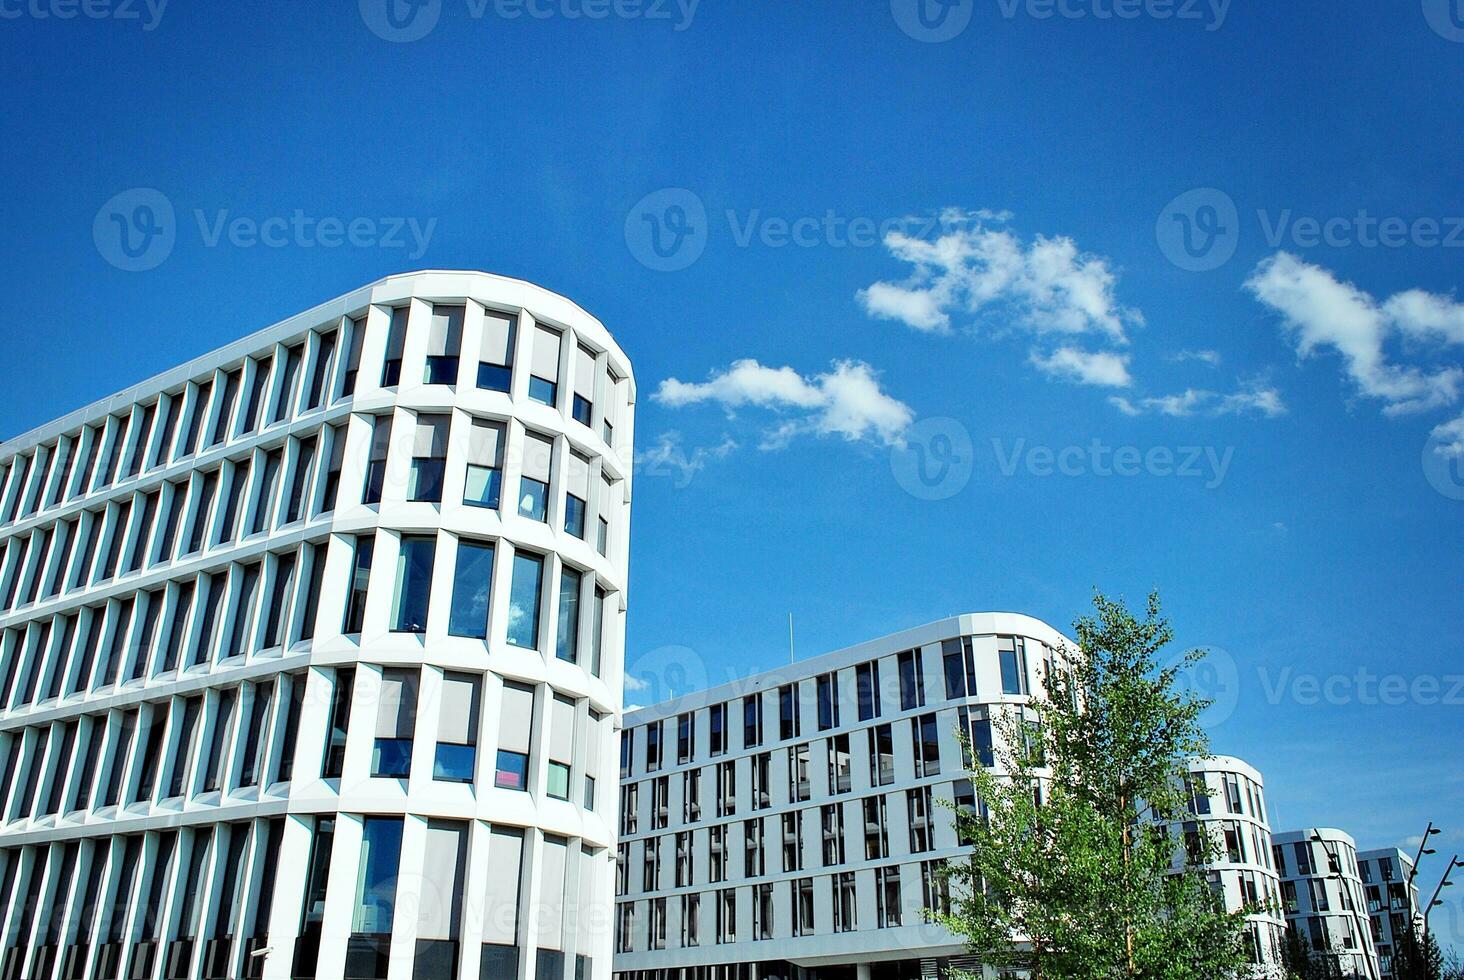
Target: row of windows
pixel 243 609
pixel 202 899
pixel 1230 841
pixel 242 738
pixel 276 488
pixel 1316 857
pixel 907 689
pixel 1238 793
pixel 289 380
pixel 830 835
pixel 826 904
pixel 877 742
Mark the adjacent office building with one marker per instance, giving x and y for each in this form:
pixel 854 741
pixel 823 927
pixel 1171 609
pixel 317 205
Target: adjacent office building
pixel 311 651
pixel 791 823
pixel 1322 896
pixel 1228 834
pixel 1392 901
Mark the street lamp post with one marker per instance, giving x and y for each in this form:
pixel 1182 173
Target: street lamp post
pixel 1444 882
pixel 1364 937
pixel 1423 849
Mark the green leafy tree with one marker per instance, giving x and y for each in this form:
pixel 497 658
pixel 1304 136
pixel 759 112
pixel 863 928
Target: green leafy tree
pixel 1417 958
pixel 1303 963
pixel 1067 875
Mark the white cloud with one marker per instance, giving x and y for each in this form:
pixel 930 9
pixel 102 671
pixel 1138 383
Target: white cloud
pixel 667 457
pixel 1427 316
pixel 1253 399
pixel 845 401
pixel 1322 312
pixel 1085 367
pixel 633 683
pixel 1210 357
pixel 1451 438
pixel 1045 286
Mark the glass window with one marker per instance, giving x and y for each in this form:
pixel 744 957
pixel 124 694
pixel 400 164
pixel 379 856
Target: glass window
pixel 360 579
pixel 177 498
pixel 258 384
pixel 544 375
pixel 484 482
pixel 566 645
pixel 534 481
pixel 457 729
pixel 751 720
pixel 524 600
pixel 264 498
pixel 912 681
pixel 515 735
pixel 1013 653
pixel 429 459
pixel 444 341
pixel 471 588
pixel 324 358
pixel 340 716
pixel 960 668
pixel 828 701
pixel 353 357
pixel 208 485
pixel 396 721
pixel 226 408
pixel 396 342
pixel 414 584
pixel 381 846
pixel 285 399
pixel 218 739
pixel 328 496
pixel 376 465
pixel 254 740
pixel 866 677
pixel 582 406
pixel 300 481
pixel 495 360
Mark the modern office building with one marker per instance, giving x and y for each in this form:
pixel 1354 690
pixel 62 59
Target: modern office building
pixel 312 651
pixel 1228 833
pixel 1322 896
pixel 790 823
pixel 1392 901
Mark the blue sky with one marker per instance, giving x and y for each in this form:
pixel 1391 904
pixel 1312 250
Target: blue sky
pixel 1219 252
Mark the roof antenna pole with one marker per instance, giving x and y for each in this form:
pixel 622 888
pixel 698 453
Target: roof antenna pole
pixel 790 638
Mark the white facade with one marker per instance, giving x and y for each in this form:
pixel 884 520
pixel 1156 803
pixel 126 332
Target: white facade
pixel 312 651
pixel 1228 833
pixel 1322 896
pixel 791 821
pixel 1392 901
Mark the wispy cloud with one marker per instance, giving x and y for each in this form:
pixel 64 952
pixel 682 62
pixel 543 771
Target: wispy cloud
pixel 1257 400
pixel 845 401
pixel 1210 357
pixel 668 457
